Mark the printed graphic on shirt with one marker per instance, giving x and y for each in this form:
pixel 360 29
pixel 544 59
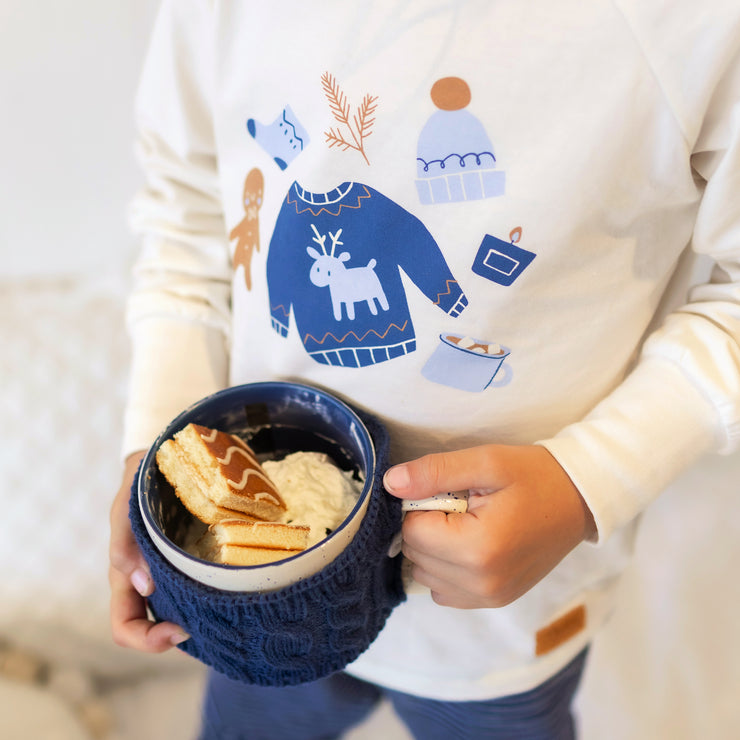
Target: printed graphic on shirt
pixel 335 261
pixel 468 364
pixel 455 159
pixel 347 285
pixel 500 261
pixel 283 139
pixel 247 231
pixel 353 128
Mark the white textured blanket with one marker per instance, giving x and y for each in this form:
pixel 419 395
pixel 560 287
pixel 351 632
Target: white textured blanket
pixel 62 365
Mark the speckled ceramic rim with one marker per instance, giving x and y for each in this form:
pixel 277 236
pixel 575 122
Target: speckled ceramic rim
pixel 320 408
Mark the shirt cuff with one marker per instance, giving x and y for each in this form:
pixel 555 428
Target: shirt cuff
pixel 635 442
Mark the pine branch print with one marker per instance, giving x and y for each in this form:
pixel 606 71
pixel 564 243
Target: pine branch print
pixel 363 118
pixel 361 123
pixel 337 99
pixel 335 138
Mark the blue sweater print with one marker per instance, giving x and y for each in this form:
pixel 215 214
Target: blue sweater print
pixel 335 261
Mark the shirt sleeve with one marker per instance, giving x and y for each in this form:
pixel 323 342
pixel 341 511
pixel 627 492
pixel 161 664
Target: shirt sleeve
pixel 682 398
pixel 178 310
pixel 420 257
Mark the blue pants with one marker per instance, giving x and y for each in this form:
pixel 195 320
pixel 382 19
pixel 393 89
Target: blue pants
pixel 324 709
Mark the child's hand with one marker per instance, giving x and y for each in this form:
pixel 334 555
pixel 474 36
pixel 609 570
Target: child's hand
pixel 524 516
pixel 130 580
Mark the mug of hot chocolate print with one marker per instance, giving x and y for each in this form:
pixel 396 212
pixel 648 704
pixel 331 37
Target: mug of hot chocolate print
pixel 468 364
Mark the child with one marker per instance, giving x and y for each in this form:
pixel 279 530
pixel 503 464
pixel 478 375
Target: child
pixel 465 218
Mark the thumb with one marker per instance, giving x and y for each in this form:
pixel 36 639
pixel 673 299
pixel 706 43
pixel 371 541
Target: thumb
pixel 439 473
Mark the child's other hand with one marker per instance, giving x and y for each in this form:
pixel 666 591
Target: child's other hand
pixel 130 581
pixel 524 516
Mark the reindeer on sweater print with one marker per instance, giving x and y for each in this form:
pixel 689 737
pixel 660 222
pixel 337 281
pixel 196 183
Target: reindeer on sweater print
pixel 347 285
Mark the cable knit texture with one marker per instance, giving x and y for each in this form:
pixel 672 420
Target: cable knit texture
pixel 300 633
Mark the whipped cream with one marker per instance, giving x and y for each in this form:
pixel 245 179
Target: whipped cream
pixel 316 492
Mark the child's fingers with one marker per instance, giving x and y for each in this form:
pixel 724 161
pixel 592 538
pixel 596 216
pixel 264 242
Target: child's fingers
pixel 444 536
pixel 124 553
pixel 444 592
pixel 130 626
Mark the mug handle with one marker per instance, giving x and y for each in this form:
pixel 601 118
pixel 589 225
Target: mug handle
pixel 451 502
pixel 502 377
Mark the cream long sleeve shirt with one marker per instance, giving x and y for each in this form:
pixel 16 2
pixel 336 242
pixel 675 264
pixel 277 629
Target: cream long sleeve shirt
pixel 469 218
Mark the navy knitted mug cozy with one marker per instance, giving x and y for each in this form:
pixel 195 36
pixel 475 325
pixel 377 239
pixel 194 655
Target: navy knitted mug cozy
pixel 299 633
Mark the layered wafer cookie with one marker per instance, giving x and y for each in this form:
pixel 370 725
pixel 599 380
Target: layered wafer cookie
pixel 236 555
pixel 261 534
pixel 216 475
pixel 236 542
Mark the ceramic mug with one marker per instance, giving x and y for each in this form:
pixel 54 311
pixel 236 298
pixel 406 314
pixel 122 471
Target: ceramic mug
pixel 274 419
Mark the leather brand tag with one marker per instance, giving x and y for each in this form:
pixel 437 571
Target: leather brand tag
pixel 561 630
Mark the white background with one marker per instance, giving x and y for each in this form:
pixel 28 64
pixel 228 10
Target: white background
pixel 68 71
pixel 668 665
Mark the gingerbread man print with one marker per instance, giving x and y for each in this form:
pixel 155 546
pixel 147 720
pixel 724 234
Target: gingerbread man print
pixel 247 233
